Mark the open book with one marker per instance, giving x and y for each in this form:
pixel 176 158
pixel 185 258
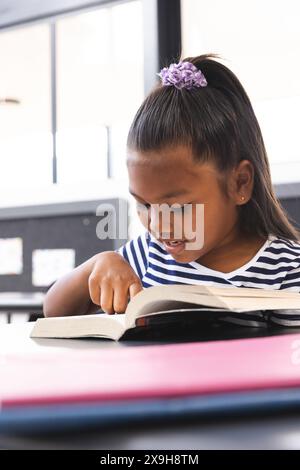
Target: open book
pixel 168 304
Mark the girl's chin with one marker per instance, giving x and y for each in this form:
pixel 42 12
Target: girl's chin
pixel 186 256
pixel 180 251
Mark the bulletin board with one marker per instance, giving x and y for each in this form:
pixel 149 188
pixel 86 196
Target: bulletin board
pixel 34 238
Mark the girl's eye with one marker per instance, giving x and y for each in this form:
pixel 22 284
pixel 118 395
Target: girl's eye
pixel 177 209
pixel 141 206
pixel 187 207
pixel 182 209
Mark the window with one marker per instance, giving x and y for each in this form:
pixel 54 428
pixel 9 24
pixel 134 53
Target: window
pixel 25 104
pixel 99 88
pixel 261 44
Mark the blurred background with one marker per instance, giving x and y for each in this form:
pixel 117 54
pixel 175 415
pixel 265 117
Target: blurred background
pixel 72 75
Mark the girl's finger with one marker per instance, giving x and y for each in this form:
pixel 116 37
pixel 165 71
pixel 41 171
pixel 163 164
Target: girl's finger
pixel 94 291
pixel 120 300
pixel 135 288
pixel 106 297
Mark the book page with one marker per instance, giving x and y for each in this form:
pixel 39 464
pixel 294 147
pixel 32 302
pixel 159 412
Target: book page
pixel 250 292
pixel 234 299
pixel 159 298
pixel 80 326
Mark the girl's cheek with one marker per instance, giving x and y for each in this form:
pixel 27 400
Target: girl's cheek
pixel 194 218
pixel 193 223
pixel 144 217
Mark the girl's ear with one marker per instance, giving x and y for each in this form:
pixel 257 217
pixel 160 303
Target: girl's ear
pixel 243 180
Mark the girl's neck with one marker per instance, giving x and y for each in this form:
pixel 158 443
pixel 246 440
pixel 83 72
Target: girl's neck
pixel 235 251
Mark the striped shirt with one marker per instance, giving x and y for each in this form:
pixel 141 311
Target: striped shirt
pixel 275 266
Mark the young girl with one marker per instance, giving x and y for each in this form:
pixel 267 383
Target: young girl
pixel 194 140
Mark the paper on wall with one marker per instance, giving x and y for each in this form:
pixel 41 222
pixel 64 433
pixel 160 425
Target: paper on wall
pixel 50 264
pixel 11 256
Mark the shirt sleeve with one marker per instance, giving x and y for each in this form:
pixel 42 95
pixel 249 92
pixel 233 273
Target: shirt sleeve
pixel 291 282
pixel 136 252
pixel 288 317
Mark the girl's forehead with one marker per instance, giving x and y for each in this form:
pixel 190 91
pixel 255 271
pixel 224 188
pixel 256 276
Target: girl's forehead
pixel 151 180
pixel 168 163
pixel 163 157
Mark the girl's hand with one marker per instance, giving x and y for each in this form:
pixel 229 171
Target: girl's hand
pixel 112 282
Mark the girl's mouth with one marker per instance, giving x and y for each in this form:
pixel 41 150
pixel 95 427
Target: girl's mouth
pixel 174 247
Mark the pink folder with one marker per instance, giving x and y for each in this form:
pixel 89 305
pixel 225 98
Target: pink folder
pixel 132 372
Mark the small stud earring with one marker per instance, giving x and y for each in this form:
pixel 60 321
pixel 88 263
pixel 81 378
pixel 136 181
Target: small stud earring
pixel 242 198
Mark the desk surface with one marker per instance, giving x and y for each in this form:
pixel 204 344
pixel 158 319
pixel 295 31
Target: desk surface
pixel 252 432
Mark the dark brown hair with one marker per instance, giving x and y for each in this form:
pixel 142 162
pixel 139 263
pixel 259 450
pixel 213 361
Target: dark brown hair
pixel 217 122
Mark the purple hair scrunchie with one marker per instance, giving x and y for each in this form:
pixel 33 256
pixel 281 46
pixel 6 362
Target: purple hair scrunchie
pixel 182 75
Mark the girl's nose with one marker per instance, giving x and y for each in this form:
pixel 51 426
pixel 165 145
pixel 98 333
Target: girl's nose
pixel 159 225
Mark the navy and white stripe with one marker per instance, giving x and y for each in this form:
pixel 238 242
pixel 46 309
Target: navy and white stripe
pixel 275 266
